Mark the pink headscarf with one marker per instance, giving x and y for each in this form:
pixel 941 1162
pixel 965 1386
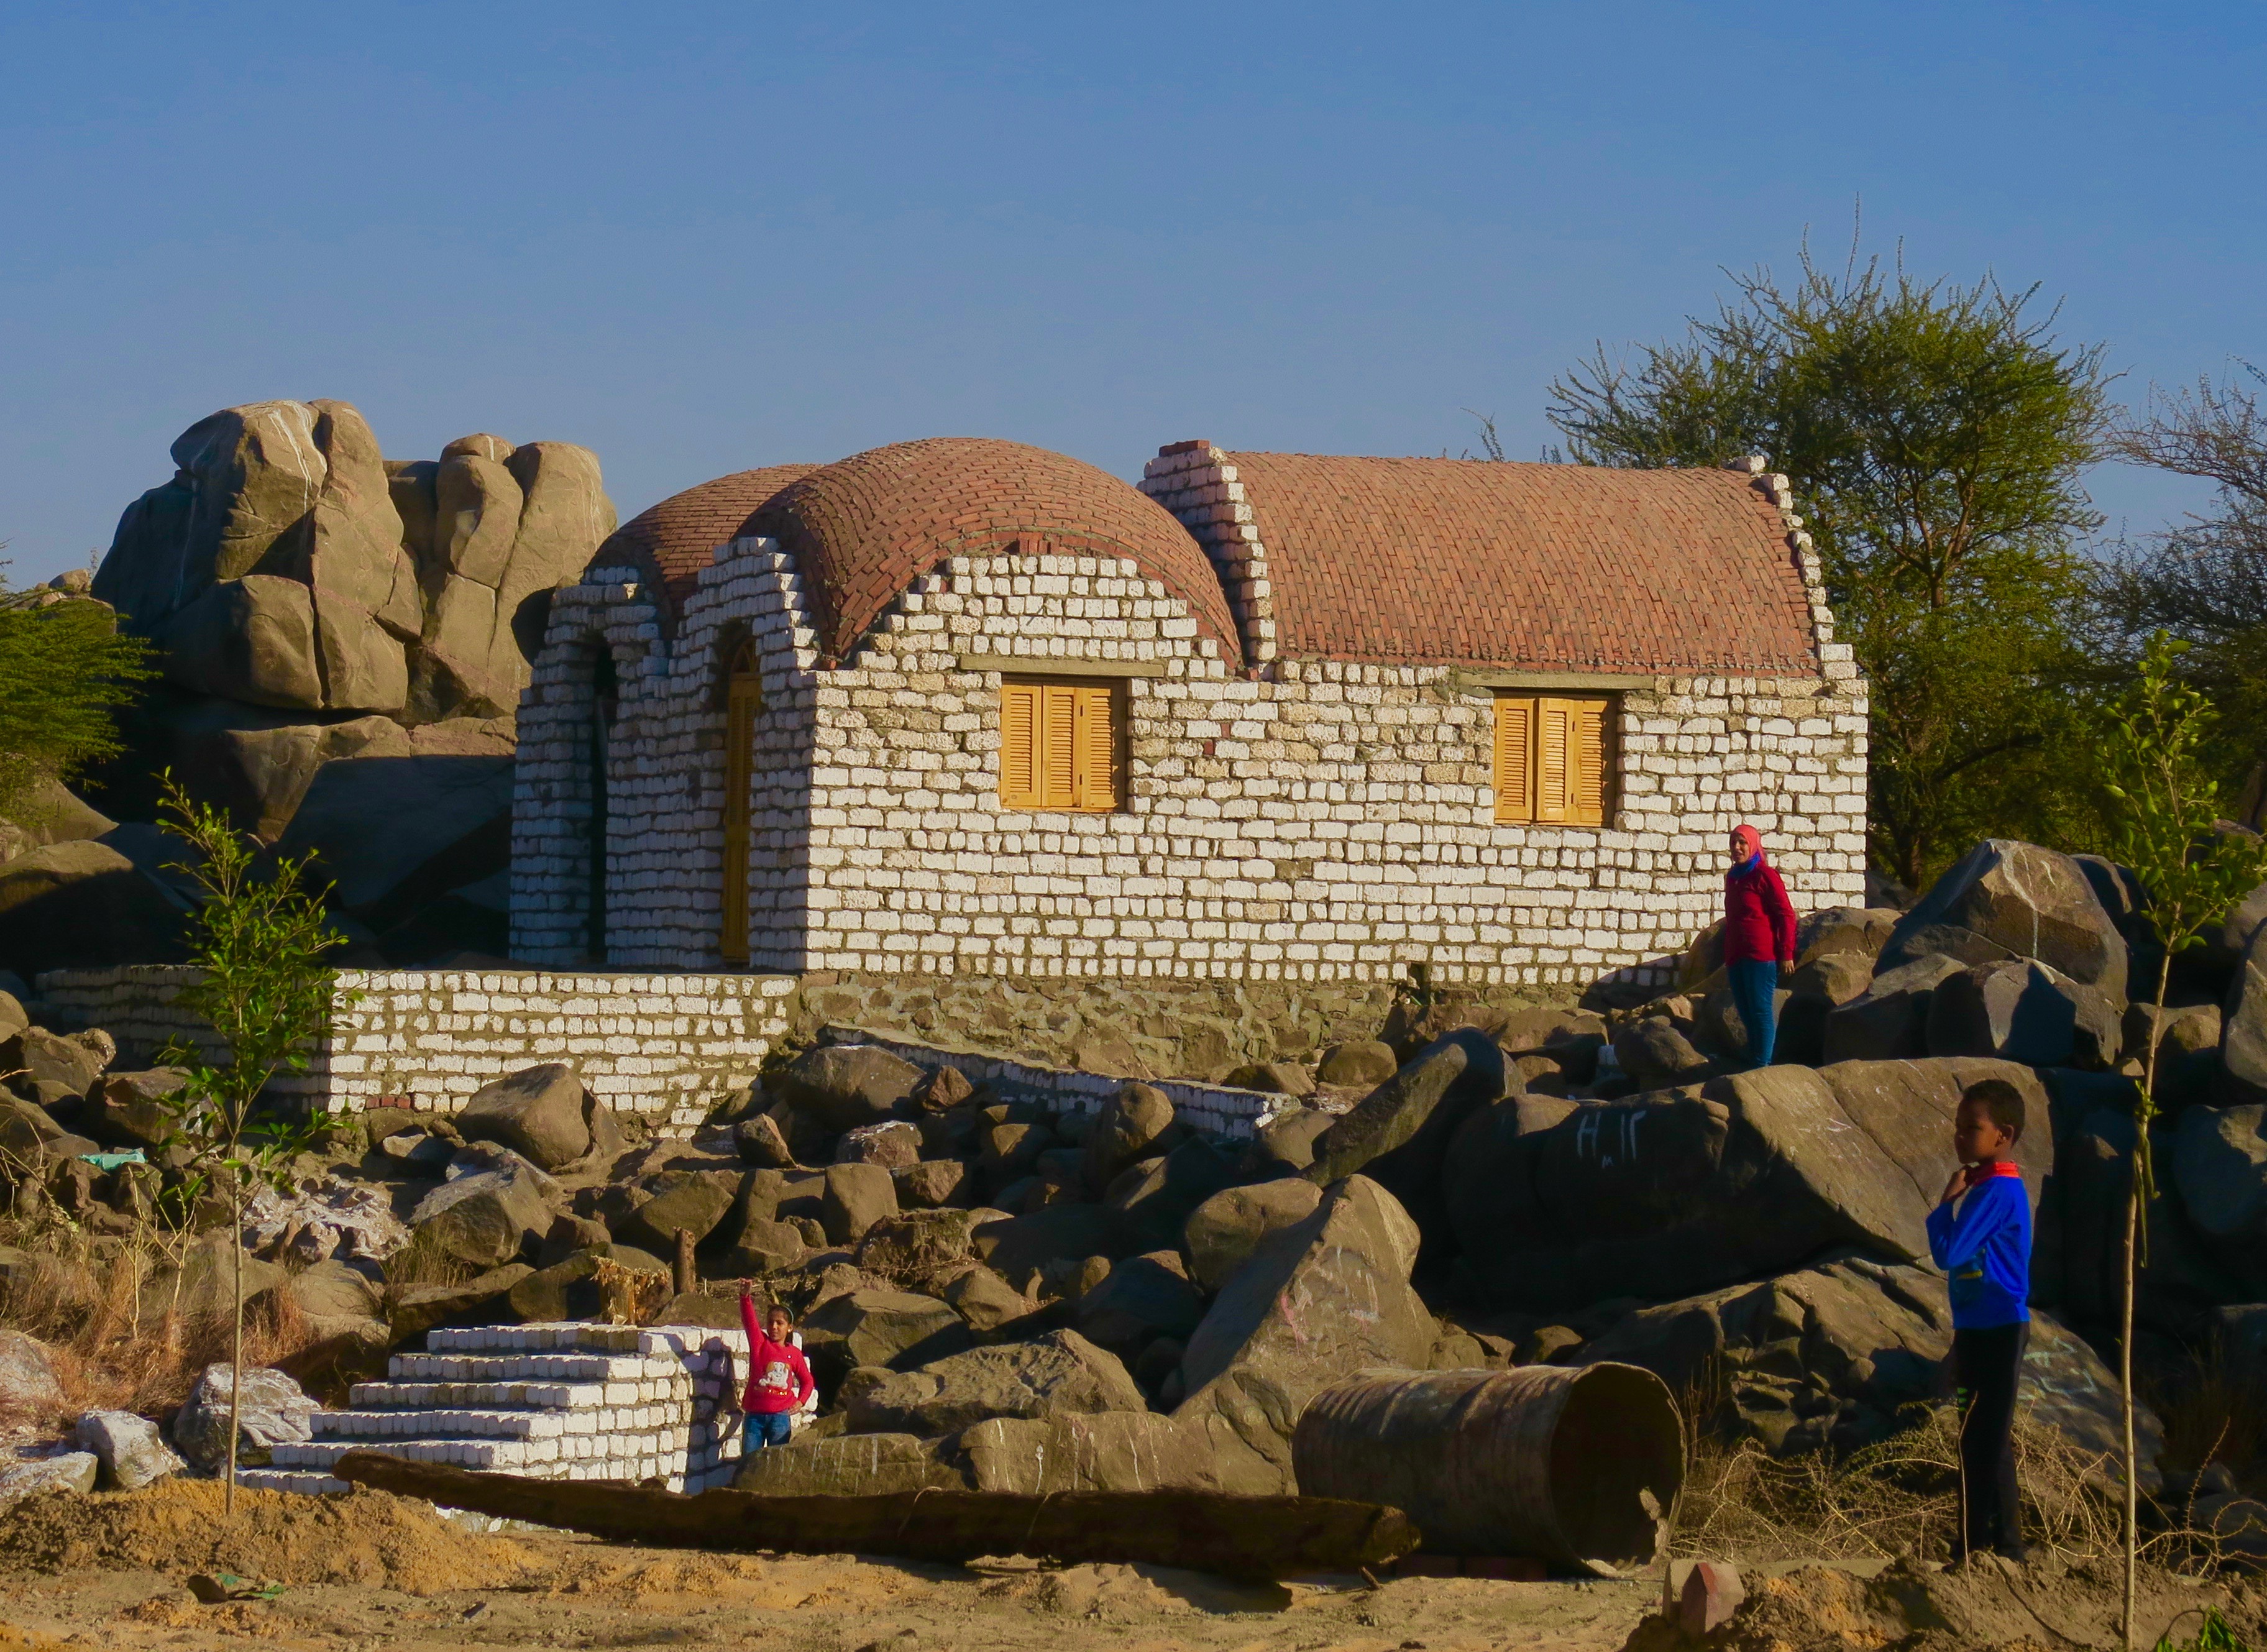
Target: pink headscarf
pixel 1751 842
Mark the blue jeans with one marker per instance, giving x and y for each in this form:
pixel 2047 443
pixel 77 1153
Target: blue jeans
pixel 765 1427
pixel 1755 994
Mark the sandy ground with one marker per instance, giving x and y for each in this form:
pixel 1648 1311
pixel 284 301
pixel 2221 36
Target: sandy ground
pixel 370 1571
pixel 590 1594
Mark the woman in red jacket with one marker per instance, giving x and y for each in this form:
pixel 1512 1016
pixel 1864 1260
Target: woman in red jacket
pixel 1758 940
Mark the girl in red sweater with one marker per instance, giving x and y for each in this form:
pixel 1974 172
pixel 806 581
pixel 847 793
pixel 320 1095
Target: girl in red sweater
pixel 779 1377
pixel 1758 940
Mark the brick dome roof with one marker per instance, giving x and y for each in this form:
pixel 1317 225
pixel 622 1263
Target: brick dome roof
pixel 863 529
pixel 1567 567
pixel 670 543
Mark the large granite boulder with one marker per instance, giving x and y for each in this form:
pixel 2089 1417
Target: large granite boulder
pixel 29 1387
pixel 1889 1020
pixel 1150 1203
pixel 130 1449
pixel 1058 1374
pixel 2027 901
pixel 1144 1297
pixel 42 810
pixel 893 1328
pixel 841 1086
pixel 849 1465
pixel 666 1202
pixel 2220 1167
pixel 1018 1247
pixel 1683 1191
pixel 1326 1295
pixel 1397 1135
pixel 544 1114
pixel 2242 1030
pixel 84 904
pixel 1102 1452
pixel 1135 1124
pixel 1827 1356
pixel 486 1218
pixel 2020 1009
pixel 1224 1231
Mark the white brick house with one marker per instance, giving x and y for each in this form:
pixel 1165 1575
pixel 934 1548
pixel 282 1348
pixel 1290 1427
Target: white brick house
pixel 969 706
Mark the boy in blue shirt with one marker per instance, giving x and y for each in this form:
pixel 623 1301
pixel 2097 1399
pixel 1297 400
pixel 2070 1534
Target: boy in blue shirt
pixel 1980 1234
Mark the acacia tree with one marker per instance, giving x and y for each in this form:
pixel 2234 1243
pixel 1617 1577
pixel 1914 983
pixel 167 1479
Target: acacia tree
pixel 2164 807
pixel 257 943
pixel 64 671
pixel 2206 580
pixel 1933 435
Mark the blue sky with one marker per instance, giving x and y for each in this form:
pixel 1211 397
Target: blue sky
pixel 700 237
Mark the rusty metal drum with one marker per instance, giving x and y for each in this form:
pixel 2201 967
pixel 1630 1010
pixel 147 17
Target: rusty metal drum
pixel 1579 1467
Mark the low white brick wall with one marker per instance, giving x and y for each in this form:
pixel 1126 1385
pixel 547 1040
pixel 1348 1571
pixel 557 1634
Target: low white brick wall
pixel 661 1047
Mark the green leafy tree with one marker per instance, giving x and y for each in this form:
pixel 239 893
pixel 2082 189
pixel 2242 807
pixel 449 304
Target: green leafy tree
pixel 258 944
pixel 1933 435
pixel 2163 807
pixel 65 670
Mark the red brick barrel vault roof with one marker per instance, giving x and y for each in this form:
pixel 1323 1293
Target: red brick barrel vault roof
pixel 670 542
pixel 1567 567
pixel 862 530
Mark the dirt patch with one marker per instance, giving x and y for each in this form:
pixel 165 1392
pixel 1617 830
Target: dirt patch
pixel 1987 1607
pixel 365 1538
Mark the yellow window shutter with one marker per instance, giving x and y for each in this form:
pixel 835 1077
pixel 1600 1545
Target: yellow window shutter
pixel 1097 749
pixel 1553 719
pixel 1057 746
pixel 1019 746
pixel 1514 758
pixel 1589 767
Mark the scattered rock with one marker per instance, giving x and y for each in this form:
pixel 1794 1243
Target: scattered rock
pixel 540 1112
pixel 893 1145
pixel 1827 1356
pixel 1143 1298
pixel 130 1450
pixel 2020 1009
pixel 1324 1296
pixel 759 1142
pixel 28 1384
pixel 1151 1202
pixel 1016 1249
pixel 272 1410
pixel 1133 1124
pixel 856 1197
pixel 764 1247
pixel 334 1290
pixel 1284 1144
pixel 1397 1136
pixel 842 1086
pixel 943 1090
pixel 984 1299
pixel 1280 1078
pixel 931 1184
pixel 1058 1374
pixel 480 1300
pixel 1366 1061
pixel 892 1328
pixel 2220 1166
pixel 697 1202
pixel 71 1061
pixel 1889 1020
pixel 127 1107
pixel 1221 1232
pixel 2032 901
pixel 2243 1028
pixel 205 1283
pixel 912 1246
pixel 1652 1051
pixel 73 1471
pixel 485 1219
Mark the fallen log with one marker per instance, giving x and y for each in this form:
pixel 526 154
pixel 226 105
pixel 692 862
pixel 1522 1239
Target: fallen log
pixel 1206 1531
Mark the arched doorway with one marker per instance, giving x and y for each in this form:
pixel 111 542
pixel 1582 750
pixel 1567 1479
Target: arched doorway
pixel 743 702
pixel 606 700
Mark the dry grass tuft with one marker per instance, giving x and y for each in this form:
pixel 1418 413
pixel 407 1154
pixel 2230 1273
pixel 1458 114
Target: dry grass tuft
pixel 107 1355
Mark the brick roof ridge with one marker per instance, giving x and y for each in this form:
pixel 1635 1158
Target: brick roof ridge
pixel 672 540
pixel 862 530
pixel 1423 560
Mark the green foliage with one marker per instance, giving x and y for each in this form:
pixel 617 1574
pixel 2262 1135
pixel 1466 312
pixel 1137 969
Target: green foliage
pixel 2213 1635
pixel 64 671
pixel 258 944
pixel 1933 435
